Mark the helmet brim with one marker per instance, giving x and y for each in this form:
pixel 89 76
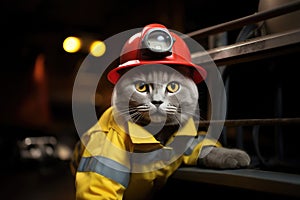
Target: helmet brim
pixel 199 74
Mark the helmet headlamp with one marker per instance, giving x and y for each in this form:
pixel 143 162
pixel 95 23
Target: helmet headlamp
pixel 157 42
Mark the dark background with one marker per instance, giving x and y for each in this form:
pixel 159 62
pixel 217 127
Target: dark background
pixel 34 27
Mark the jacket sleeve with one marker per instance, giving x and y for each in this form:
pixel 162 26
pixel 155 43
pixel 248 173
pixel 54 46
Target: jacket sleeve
pixel 192 154
pixel 93 186
pixel 100 174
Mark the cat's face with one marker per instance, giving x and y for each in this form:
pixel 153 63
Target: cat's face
pixel 155 95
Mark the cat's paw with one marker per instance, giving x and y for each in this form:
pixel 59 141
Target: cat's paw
pixel 220 157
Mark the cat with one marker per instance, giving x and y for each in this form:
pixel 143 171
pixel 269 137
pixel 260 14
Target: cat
pixel 121 161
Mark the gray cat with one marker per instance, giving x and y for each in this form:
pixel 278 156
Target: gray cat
pixel 167 97
pixel 121 161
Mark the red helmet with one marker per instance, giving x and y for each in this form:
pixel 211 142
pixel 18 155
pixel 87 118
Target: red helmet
pixel 156 45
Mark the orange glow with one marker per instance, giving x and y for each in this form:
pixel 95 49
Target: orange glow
pixel 39 70
pixel 34 109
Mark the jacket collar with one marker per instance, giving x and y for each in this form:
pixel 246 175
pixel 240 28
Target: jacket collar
pixel 139 135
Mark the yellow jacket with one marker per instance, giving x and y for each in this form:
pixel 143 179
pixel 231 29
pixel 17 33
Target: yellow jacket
pixel 117 165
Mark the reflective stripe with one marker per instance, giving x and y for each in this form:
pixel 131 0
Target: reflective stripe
pixel 195 142
pixel 106 167
pixel 164 154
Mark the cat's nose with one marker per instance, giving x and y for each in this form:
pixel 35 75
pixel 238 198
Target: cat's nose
pixel 157 103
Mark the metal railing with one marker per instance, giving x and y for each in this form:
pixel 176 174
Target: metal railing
pixel 253 49
pixel 251 122
pixel 257 17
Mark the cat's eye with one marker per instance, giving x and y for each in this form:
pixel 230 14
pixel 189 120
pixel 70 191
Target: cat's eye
pixel 173 87
pixel 141 86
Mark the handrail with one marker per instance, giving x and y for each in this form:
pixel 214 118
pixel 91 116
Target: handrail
pixel 256 17
pixel 251 122
pixel 272 182
pixel 252 49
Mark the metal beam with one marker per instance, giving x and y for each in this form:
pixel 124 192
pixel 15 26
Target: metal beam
pixel 250 19
pixel 252 49
pixel 252 179
pixel 251 122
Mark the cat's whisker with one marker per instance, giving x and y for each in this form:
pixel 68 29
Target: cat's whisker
pixel 178 121
pixel 133 115
pixel 138 118
pixel 123 112
pixel 191 113
pixel 171 112
pixel 123 115
pixel 143 108
pixel 126 111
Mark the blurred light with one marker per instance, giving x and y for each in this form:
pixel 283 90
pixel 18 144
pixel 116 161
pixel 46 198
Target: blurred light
pixel 64 152
pixel 97 48
pixel 35 153
pixel 27 141
pixel 49 150
pixel 72 44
